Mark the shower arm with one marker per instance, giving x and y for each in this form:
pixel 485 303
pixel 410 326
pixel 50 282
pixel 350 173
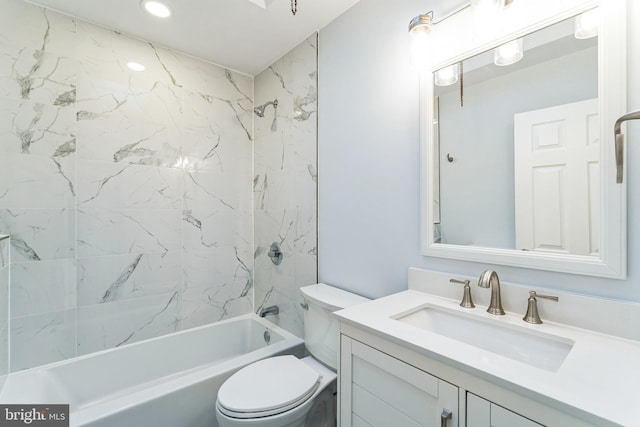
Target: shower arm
pixel 619 141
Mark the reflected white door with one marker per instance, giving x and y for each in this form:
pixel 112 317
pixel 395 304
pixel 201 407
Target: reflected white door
pixel 557 179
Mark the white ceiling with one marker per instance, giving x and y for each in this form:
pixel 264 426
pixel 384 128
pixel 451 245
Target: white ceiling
pixel 236 34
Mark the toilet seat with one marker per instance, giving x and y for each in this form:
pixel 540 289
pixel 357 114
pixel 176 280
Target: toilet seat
pixel 268 387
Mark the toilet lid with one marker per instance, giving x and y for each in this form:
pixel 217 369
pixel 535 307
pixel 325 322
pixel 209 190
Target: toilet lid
pixel 268 387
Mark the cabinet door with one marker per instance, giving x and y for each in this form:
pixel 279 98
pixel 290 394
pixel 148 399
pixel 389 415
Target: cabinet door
pixel 380 390
pixel 482 413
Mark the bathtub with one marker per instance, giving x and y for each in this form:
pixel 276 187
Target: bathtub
pixel 167 381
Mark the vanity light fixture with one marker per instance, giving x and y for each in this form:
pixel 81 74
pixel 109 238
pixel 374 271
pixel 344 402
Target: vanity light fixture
pixel 487 18
pixel 157 8
pixel 508 53
pixel 447 76
pixel 587 24
pixel 486 15
pixel 419 29
pixel 135 66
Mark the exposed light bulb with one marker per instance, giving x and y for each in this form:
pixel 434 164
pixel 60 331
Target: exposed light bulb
pixel 508 53
pixel 587 24
pixel 486 15
pixel 447 76
pixel 419 37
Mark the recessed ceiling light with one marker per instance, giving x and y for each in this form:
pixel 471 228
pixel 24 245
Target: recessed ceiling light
pixel 135 66
pixel 157 9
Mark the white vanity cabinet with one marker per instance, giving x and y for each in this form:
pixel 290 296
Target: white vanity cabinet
pixel 381 391
pixel 482 413
pixel 384 383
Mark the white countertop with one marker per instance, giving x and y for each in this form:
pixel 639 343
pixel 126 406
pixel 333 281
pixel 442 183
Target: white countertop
pixel 600 376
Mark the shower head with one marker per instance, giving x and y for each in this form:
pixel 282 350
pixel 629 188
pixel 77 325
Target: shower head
pixel 260 109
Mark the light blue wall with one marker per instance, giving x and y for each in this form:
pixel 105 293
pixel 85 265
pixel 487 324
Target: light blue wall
pixel 369 223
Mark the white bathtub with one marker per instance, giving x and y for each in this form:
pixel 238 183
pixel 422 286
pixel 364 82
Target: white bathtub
pixel 167 381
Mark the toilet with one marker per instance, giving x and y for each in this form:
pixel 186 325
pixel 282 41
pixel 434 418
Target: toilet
pixel 285 391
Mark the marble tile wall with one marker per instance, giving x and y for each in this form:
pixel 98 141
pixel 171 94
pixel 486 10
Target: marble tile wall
pixel 4 309
pixel 127 194
pixel 285 182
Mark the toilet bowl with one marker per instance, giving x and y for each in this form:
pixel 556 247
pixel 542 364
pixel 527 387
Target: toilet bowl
pixel 285 391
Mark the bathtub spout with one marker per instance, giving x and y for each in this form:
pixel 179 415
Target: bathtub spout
pixel 272 310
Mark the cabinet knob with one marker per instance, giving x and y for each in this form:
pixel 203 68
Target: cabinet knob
pixel 446 415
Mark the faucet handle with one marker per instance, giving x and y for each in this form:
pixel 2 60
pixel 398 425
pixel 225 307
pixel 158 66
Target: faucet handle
pixel 466 297
pixel 532 315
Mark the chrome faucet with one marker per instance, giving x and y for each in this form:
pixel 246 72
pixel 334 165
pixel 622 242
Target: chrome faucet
pixel 272 310
pixel 489 278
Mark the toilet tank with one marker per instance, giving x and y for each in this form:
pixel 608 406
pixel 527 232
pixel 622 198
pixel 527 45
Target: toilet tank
pixel 321 328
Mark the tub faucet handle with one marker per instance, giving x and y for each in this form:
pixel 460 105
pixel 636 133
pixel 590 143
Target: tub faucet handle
pixel 532 315
pixel 466 302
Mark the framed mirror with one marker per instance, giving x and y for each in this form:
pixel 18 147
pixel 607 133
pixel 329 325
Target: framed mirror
pixel 518 164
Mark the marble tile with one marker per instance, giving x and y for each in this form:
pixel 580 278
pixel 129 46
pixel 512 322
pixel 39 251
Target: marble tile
pixel 31 128
pixel 37 182
pixel 305 268
pixel 127 231
pixel 39 77
pixel 103 56
pixel 277 287
pixel 4 354
pixel 37 54
pixel 271 277
pixel 217 284
pixel 285 183
pixel 115 278
pixel 4 297
pixel 215 136
pixel 128 186
pixel 41 339
pixel 42 287
pixel 306 237
pixel 26 26
pixel 227 190
pixel 205 78
pixel 129 194
pixel 40 234
pixel 295 72
pixel 217 210
pixel 4 252
pixel 273 191
pixel 138 127
pixel 117 323
pixel 204 112
pixel 207 89
pixel 276 227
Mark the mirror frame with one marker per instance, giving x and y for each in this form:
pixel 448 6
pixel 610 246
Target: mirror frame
pixel 526 17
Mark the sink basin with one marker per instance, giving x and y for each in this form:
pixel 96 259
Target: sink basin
pixel 518 343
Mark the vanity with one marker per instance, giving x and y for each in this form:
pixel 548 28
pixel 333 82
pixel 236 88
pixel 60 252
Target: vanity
pixel 418 358
pixel 518 168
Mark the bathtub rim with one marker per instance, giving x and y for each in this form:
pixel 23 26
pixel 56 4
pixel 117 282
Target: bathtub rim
pixel 272 326
pixel 84 413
